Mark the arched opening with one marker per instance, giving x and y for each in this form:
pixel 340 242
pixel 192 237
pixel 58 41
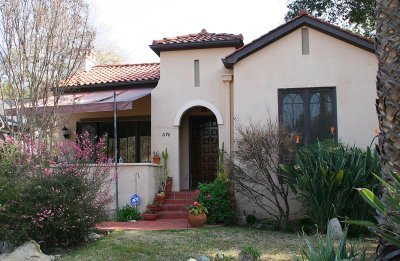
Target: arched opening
pixel 199 142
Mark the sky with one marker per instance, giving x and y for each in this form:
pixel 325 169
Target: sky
pixel 128 27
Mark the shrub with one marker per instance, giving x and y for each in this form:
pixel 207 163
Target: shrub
pixel 127 213
pixel 325 249
pixel 57 201
pixel 324 177
pixel 215 197
pixel 254 169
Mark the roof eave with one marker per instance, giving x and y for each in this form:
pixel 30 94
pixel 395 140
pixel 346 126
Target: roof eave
pixel 112 85
pixel 157 48
pixel 291 26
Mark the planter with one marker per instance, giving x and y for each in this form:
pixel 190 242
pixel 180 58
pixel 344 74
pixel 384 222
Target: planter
pixel 148 216
pixel 156 159
pixel 153 209
pixel 168 186
pixel 197 220
pixel 161 199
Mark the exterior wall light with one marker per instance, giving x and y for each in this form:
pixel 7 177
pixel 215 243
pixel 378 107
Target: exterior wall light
pixel 65 132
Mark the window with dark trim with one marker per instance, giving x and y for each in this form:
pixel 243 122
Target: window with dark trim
pixel 133 139
pixel 309 112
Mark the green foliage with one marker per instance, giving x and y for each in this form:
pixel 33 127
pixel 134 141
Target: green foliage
pixel 222 174
pixel 325 249
pixel 356 15
pixel 127 213
pixel 324 177
pixel 216 198
pixel 389 210
pixel 250 252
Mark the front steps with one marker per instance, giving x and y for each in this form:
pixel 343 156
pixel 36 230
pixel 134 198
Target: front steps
pixel 177 204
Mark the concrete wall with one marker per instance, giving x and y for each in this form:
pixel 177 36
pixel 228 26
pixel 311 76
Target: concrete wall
pixel 331 63
pixel 175 90
pixel 144 174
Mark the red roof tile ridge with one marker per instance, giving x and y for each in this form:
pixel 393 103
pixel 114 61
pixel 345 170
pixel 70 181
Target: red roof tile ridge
pixel 125 65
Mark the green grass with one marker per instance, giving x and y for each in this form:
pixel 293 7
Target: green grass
pixel 184 244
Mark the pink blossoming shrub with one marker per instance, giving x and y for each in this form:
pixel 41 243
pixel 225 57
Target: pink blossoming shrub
pixel 61 193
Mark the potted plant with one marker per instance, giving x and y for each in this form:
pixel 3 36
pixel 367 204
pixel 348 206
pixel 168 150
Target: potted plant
pixel 197 215
pixel 149 215
pixel 154 207
pixel 156 157
pixel 161 197
pixel 168 186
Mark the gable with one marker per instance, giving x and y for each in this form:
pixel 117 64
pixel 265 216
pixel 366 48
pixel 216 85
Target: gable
pixel 291 26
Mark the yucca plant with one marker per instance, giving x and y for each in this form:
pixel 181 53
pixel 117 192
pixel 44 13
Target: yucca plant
pixel 324 177
pixel 326 250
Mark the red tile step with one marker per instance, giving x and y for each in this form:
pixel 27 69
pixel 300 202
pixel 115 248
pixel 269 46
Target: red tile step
pixel 173 201
pixel 183 195
pixel 174 207
pixel 173 214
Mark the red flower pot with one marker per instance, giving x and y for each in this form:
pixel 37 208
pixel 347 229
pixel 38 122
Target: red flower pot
pixel 197 220
pixel 156 159
pixel 148 216
pixel 161 199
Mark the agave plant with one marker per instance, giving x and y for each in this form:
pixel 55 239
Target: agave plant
pixel 326 249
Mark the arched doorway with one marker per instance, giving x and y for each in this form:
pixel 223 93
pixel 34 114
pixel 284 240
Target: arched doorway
pixel 199 143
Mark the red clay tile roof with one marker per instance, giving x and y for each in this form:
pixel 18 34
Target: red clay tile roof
pixel 116 73
pixel 203 36
pixel 203 39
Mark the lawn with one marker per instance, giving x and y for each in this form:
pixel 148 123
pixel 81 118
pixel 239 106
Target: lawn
pixel 183 244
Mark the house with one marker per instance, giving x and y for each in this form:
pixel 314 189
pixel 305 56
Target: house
pixel 316 77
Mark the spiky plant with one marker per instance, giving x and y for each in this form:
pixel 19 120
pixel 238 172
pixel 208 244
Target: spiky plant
pixel 388 89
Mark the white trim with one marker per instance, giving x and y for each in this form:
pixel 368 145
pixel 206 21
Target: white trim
pixel 184 108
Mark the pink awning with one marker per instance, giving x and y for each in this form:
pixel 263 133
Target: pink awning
pixel 98 101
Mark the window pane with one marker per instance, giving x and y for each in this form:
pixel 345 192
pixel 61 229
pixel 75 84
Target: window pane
pixel 127 142
pixel 107 128
pixel 293 112
pixel 321 115
pixel 145 141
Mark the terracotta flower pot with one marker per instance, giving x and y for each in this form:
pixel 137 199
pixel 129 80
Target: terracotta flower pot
pixel 161 199
pixel 153 209
pixel 156 159
pixel 197 220
pixel 148 216
pixel 168 186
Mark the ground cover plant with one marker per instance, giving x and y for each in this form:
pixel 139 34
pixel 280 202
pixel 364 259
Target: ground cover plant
pixel 193 243
pixel 56 196
pixel 325 176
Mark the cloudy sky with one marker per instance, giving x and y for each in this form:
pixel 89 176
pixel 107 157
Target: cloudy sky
pixel 129 26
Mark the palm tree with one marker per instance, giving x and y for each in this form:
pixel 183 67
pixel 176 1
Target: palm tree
pixel 387 44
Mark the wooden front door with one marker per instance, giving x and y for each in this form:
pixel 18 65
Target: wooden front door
pixel 203 149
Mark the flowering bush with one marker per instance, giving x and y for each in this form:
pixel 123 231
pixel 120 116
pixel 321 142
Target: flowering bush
pixel 216 198
pixel 58 198
pixel 197 208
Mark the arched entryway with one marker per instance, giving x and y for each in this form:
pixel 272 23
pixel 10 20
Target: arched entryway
pixel 198 146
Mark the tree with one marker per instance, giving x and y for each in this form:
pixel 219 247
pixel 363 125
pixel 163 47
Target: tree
pixel 356 15
pixel 255 168
pixel 388 90
pixel 107 56
pixel 42 43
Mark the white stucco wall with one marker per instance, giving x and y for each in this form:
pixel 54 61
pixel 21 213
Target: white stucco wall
pixel 331 63
pixel 176 89
pixel 135 178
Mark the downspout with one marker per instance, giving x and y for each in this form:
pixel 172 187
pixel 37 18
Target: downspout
pixel 116 151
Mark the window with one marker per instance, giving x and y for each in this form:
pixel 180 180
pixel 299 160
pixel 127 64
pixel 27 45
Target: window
pixel 133 139
pixel 310 112
pixel 196 73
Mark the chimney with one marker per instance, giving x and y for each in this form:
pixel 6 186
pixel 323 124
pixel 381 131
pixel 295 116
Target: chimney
pixel 90 61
